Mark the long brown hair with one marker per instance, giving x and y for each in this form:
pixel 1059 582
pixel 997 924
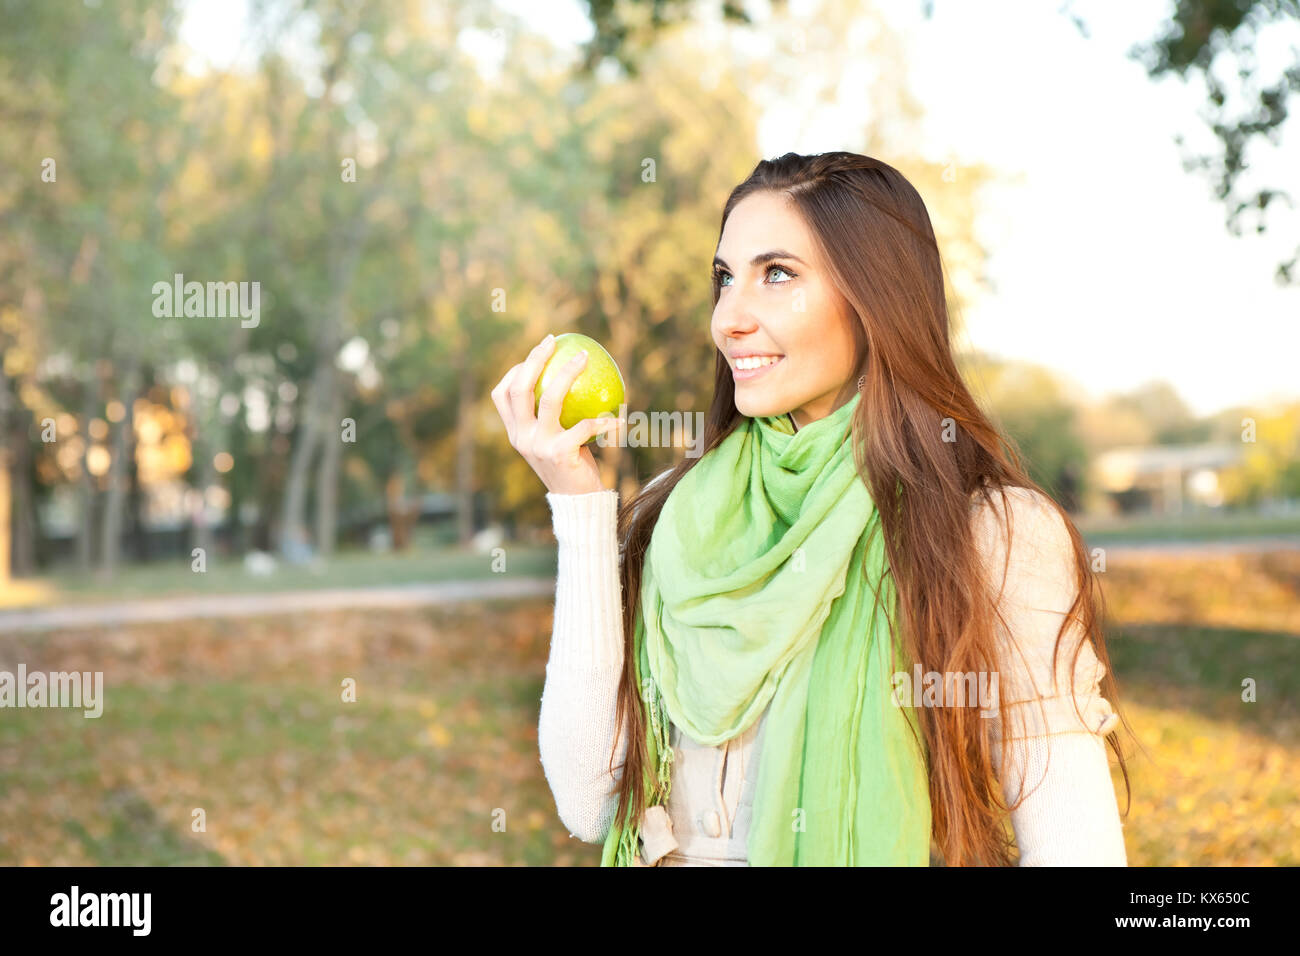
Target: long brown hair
pixel 874 233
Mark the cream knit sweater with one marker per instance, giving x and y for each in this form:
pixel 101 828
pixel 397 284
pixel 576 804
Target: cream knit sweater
pixel 1071 815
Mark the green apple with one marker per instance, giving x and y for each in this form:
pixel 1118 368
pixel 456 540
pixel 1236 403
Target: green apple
pixel 597 392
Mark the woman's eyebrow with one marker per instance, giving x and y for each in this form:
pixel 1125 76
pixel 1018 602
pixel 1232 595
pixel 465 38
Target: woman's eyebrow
pixel 763 257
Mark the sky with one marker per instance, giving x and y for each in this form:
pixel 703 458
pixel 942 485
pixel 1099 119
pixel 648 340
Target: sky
pixel 1110 264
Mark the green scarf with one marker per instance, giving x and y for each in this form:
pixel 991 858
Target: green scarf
pixel 753 596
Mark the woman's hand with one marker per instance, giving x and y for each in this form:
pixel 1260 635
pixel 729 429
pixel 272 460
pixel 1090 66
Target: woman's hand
pixel 558 456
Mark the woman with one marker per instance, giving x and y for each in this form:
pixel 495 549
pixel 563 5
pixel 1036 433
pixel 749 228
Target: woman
pixel 856 531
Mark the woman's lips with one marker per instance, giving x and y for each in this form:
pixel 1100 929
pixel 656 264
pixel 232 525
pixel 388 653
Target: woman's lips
pixel 744 375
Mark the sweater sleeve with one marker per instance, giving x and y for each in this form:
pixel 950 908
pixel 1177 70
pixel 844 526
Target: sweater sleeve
pixel 1069 816
pixel 576 726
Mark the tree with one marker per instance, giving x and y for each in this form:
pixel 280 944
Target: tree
pixel 1036 411
pixel 624 30
pixel 88 139
pixel 1270 467
pixel 1243 107
pixel 1196 35
pixel 1170 420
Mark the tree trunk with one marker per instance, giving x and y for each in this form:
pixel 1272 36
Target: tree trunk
pixel 293 529
pixel 22 555
pixel 327 477
pixel 110 539
pixel 465 454
pixel 345 251
pixel 401 511
pixel 201 535
pixel 208 436
pixel 85 534
pixel 6 502
pixel 6 499
pixel 138 538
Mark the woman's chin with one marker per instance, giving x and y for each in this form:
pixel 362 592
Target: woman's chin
pixel 759 407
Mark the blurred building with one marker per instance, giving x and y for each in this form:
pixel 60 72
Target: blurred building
pixel 1165 479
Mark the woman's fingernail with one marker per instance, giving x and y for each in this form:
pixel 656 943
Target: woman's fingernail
pixel 549 338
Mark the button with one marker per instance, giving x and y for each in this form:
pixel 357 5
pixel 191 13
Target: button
pixel 710 823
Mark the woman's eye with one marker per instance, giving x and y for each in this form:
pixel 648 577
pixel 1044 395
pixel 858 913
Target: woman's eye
pixel 722 276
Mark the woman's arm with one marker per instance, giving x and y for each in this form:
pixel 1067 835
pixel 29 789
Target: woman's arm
pixel 576 729
pixel 1070 816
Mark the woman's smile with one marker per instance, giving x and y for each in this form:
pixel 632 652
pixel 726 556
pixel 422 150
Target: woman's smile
pixel 752 366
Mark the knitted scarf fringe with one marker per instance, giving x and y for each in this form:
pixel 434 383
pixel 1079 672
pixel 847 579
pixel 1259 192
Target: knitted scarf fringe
pixel 655 795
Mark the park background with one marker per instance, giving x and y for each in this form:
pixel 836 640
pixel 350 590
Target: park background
pixel 231 520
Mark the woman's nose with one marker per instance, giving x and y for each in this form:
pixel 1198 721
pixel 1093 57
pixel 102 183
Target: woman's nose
pixel 734 317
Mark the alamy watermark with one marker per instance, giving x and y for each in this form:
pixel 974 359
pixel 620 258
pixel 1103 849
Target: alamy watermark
pixel 215 300
pixel 947 689
pixel 82 689
pixel 75 908
pixel 657 430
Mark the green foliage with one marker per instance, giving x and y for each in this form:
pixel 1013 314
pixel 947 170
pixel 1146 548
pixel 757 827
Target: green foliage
pixel 1033 408
pixel 1244 105
pixel 414 227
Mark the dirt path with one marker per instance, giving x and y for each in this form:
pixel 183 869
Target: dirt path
pixel 1204 548
pixel 449 592
pixel 284 602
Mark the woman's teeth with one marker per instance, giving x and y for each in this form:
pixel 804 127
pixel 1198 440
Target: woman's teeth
pixel 756 361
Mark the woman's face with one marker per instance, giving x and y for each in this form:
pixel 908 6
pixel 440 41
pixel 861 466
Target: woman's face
pixel 776 299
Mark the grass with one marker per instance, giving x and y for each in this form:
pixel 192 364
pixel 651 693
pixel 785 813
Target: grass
pixel 242 726
pixel 348 569
pixel 1217 779
pixel 229 742
pixel 1167 528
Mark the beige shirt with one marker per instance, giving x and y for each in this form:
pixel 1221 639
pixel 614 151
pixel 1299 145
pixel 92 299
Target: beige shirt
pixel 712 798
pixel 1070 817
